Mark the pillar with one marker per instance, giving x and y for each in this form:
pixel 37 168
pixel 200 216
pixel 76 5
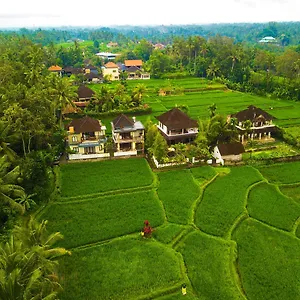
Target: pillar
pixel 133 146
pixel 118 147
pixel 252 136
pixel 269 135
pixel 242 138
pixel 259 136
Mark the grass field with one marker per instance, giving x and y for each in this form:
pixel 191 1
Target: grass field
pixel 282 174
pixel 234 237
pixel 122 269
pixel 267 204
pixel 78 180
pixel 210 271
pixel 224 200
pixel 199 94
pixel 268 262
pixel 110 216
pixel 178 192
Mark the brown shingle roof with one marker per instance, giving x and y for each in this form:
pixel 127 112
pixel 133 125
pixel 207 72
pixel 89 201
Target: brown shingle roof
pixel 55 68
pixel 85 124
pixel 110 64
pixel 176 119
pixel 231 149
pixel 253 114
pixel 133 63
pixel 85 92
pixel 122 121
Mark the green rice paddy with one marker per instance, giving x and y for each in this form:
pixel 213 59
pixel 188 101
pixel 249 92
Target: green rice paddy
pixel 224 232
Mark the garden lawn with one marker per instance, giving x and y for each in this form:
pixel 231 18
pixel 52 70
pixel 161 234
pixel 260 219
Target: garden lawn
pixel 103 218
pixel 224 200
pixel 292 191
pixel 208 261
pixel 267 204
pixel 268 261
pixel 122 269
pixel 282 173
pixel 95 177
pixel 178 192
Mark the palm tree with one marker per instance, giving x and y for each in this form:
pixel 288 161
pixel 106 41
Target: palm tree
pixel 212 110
pixel 9 189
pixel 27 263
pixel 4 146
pixel 213 70
pixel 63 92
pixel 138 93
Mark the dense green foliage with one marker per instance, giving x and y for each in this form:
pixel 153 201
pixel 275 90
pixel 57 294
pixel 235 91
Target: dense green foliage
pixel 178 192
pixel 224 200
pixel 267 204
pixel 210 272
pixel 111 216
pixel 82 179
pixel 121 269
pixel 268 262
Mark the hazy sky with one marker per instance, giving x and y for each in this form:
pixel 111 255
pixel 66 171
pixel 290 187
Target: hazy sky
pixel 35 13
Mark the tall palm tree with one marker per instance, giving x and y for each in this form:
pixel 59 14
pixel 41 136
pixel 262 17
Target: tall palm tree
pixel 9 188
pixel 4 146
pixel 63 93
pixel 213 70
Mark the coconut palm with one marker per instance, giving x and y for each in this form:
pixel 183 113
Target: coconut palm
pixel 138 93
pixel 63 93
pixel 27 263
pixel 4 146
pixel 9 188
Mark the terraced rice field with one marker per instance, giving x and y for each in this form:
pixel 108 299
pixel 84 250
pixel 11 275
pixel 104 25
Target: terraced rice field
pixel 227 233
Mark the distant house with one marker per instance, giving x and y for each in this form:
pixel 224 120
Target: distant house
pixel 268 40
pixel 107 55
pixel 134 69
pixel 128 135
pixel 111 71
pixel 133 63
pixel 86 137
pixel 68 71
pixel 228 152
pixel 112 45
pixel 262 123
pixel 93 78
pixel 91 69
pixel 177 127
pixel 159 46
pixel 85 93
pixel 56 69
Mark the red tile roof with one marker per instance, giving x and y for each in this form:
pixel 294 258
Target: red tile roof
pixel 55 68
pixel 133 63
pixel 110 65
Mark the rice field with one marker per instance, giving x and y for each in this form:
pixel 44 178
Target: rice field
pixel 226 233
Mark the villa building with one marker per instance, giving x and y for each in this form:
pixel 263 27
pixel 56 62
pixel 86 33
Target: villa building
pixel 111 71
pixel 177 127
pixel 128 135
pixel 262 123
pixel 86 137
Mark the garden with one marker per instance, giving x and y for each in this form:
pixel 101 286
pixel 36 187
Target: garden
pixel 225 233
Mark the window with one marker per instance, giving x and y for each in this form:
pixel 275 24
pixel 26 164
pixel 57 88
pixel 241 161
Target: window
pixel 74 138
pixel 114 71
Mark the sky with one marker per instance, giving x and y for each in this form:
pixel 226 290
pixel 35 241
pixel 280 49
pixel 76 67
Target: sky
pixel 54 13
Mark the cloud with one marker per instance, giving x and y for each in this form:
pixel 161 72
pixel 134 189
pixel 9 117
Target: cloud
pixel 27 16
